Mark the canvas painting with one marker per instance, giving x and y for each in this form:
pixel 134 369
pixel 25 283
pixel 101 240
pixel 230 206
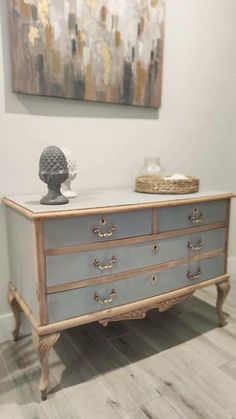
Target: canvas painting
pixel 97 50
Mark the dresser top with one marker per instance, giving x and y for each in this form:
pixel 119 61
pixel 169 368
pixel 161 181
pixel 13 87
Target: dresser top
pixel 105 201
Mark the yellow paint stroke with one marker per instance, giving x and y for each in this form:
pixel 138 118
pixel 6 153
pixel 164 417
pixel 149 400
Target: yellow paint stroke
pixel 83 37
pixel 25 9
pixel 109 93
pixel 33 35
pixel 106 57
pixel 140 82
pixel 142 25
pixel 89 82
pixel 56 62
pixel 84 30
pixel 92 3
pixel 80 43
pixel 43 12
pixel 117 38
pixel 154 3
pixel 103 14
pixel 48 36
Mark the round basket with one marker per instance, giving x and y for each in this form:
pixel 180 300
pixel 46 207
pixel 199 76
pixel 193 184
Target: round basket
pixel 160 185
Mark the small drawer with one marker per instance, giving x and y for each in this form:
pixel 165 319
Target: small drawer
pixel 194 215
pixel 75 303
pixel 88 229
pixel 91 264
pixel 95 263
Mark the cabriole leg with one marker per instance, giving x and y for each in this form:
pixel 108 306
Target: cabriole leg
pixel 43 344
pixel 222 292
pixel 16 309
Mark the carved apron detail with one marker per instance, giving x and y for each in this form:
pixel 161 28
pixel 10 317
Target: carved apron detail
pixel 140 313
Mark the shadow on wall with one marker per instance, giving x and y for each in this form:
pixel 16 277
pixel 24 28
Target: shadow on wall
pixel 37 105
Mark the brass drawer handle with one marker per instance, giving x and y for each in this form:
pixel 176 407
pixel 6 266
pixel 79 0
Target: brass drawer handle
pixel 197 275
pixel 196 217
pixel 105 267
pixel 108 300
pixel 196 220
pixel 99 230
pixel 195 247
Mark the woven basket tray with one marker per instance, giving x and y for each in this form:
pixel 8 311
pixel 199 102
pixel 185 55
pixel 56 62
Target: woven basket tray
pixel 160 185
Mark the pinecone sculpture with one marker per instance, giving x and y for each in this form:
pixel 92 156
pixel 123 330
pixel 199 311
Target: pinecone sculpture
pixel 53 170
pixel 72 166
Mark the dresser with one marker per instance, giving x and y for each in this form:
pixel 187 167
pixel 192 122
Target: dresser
pixel 111 255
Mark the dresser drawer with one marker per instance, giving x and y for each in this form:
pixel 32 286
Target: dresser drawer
pixel 185 216
pixel 87 229
pixel 94 263
pixel 75 303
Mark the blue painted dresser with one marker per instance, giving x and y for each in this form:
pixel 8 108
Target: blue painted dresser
pixel 112 255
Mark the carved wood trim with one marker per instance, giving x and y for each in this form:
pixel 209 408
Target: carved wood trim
pixel 141 313
pixel 43 344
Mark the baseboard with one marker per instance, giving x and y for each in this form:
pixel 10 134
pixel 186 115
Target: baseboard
pixel 232 265
pixel 7 324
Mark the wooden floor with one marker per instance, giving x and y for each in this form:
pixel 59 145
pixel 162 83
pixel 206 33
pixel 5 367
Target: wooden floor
pixel 172 365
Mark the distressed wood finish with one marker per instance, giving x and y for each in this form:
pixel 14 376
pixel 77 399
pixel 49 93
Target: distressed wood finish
pixel 227 234
pixel 41 271
pixel 46 334
pixel 43 344
pixel 223 289
pixel 142 312
pixel 134 240
pixel 168 366
pixel 132 273
pixel 23 305
pixel 98 246
pixel 112 208
pixel 111 312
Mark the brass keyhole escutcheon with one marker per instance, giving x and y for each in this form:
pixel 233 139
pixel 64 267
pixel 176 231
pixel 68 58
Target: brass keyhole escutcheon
pixel 155 248
pixel 154 280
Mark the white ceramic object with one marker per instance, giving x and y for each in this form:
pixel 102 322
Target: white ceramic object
pixel 176 176
pixel 72 166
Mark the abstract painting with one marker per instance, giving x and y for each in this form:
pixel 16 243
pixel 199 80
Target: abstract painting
pixel 97 50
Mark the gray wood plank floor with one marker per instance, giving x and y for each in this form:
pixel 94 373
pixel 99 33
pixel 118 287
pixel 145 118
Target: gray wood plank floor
pixel 174 365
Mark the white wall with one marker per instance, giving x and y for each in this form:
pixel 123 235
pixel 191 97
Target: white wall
pixel 194 132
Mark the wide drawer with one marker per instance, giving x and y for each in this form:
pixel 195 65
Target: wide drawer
pixel 88 229
pixel 75 303
pixel 185 216
pixel 84 265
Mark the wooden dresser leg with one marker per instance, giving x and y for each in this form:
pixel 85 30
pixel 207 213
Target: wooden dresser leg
pixel 16 309
pixel 222 292
pixel 43 344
